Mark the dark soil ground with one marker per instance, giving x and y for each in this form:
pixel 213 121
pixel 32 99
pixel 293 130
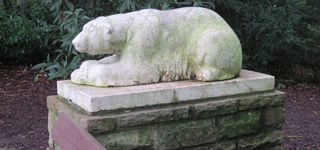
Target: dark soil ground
pixel 302 117
pixel 23 112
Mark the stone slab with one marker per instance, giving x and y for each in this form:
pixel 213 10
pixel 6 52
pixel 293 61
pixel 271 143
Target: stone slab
pixel 94 99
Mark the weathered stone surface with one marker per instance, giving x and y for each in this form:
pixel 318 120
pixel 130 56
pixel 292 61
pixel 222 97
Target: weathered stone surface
pixel 57 105
pixel 198 148
pixel 102 123
pixel 172 136
pixel 213 108
pixel 242 123
pixel 107 122
pixel 94 99
pixel 225 145
pixel 52 119
pixel 276 147
pixel 94 124
pixel 142 138
pixel 152 116
pixel 269 140
pixel 273 116
pixel 207 124
pixel 274 98
pixel 98 124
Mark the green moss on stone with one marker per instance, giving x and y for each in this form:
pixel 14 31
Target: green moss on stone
pixel 52 119
pixel 274 98
pixel 221 145
pixel 273 116
pixel 267 140
pixel 243 123
pixel 175 99
pixel 95 126
pixel 215 108
pixel 178 135
pixel 133 139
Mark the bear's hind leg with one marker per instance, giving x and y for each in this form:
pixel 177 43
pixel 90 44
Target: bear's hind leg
pixel 218 57
pixel 206 73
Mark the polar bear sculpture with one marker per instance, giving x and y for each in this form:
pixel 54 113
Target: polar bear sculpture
pixel 150 46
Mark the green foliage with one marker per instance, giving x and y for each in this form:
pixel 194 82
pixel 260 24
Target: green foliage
pixel 267 29
pixel 24 31
pixel 276 32
pixel 59 69
pixel 311 47
pixel 68 21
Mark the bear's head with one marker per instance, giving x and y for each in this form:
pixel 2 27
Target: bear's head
pixel 95 38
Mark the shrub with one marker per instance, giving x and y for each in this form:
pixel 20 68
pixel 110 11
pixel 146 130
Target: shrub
pixel 277 36
pixel 309 57
pixel 24 32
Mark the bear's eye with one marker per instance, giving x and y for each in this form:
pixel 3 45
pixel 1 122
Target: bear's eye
pixel 109 31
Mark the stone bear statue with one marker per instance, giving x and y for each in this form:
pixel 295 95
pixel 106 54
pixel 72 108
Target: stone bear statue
pixel 151 46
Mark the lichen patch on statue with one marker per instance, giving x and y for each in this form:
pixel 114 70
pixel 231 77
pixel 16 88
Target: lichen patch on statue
pixel 151 46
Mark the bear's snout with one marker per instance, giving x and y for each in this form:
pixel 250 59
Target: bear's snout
pixel 78 44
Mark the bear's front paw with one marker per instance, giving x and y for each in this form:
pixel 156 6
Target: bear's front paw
pixel 78 77
pixel 81 75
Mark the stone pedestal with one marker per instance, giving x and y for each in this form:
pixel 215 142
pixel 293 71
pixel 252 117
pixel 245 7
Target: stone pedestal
pixel 242 113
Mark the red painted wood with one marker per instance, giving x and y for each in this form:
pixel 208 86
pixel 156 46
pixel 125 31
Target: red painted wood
pixel 70 136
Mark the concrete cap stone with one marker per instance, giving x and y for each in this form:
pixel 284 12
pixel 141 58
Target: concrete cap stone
pixel 95 99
